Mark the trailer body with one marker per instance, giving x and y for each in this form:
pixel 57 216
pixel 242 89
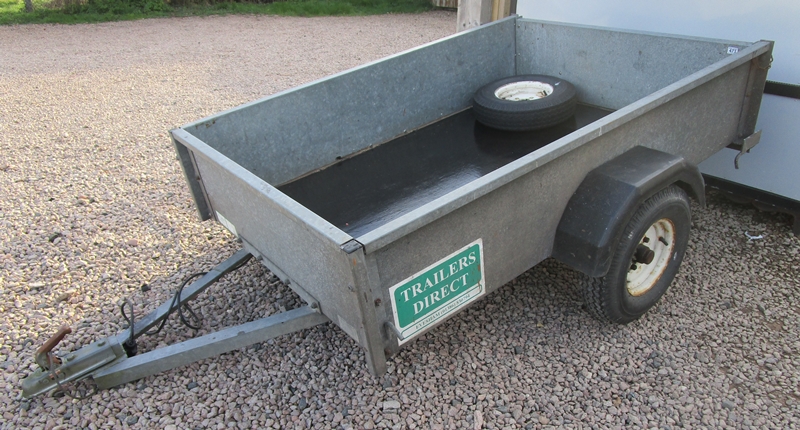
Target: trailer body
pixel 684 96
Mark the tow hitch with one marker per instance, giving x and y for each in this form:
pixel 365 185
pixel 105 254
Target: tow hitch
pixel 113 361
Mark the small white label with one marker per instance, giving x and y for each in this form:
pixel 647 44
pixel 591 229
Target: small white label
pixel 732 50
pixel 229 225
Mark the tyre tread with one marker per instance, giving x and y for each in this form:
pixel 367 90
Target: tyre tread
pixel 525 115
pixel 596 291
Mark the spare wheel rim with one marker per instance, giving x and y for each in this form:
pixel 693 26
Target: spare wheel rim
pixel 660 238
pixel 523 91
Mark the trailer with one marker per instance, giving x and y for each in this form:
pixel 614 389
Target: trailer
pixel 382 202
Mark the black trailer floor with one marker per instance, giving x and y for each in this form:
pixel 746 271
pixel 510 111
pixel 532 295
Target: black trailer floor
pixel 363 192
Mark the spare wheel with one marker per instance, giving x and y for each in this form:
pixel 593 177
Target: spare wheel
pixel 525 102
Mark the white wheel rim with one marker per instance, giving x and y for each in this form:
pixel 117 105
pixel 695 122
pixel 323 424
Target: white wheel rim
pixel 524 91
pixel 660 238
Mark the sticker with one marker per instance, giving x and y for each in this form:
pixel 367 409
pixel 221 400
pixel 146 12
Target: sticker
pixel 732 50
pixel 438 291
pixel 227 224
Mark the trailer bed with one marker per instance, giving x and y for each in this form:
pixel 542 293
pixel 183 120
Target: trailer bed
pixel 362 192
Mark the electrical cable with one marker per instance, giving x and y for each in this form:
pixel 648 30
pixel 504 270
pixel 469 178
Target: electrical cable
pixel 130 346
pixel 176 299
pixel 61 388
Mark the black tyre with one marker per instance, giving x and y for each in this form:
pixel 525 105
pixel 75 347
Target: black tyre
pixel 525 102
pixel 645 260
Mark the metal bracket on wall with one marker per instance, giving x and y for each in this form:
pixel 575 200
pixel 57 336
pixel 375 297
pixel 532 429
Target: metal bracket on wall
pixel 744 146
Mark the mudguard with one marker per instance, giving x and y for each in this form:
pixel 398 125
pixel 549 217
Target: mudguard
pixel 608 197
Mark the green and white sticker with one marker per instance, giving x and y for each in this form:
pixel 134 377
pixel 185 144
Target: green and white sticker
pixel 438 291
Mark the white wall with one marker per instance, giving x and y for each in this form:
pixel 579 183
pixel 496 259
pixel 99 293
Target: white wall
pixel 774 165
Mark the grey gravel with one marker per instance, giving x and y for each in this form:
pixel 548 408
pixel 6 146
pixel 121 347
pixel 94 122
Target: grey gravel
pixel 94 205
pixel 391 404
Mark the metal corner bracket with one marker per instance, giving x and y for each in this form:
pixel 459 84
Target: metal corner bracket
pixel 745 145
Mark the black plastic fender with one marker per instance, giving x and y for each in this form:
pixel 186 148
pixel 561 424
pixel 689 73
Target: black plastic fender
pixel 606 200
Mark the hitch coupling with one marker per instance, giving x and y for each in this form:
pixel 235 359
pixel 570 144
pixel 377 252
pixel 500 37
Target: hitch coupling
pixel 54 370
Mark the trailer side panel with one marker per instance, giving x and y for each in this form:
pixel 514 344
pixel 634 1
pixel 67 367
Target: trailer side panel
pixel 612 69
pixel 337 116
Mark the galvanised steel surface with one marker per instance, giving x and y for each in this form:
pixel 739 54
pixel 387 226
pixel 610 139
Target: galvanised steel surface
pixel 210 345
pixel 313 124
pixel 683 96
pixel 638 63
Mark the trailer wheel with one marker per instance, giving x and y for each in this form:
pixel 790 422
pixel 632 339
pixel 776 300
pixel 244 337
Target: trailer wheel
pixel 645 260
pixel 525 102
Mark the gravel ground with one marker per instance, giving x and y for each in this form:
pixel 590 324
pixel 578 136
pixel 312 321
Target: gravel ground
pixel 94 205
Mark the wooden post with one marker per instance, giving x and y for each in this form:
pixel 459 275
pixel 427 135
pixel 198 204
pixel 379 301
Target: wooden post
pixel 472 13
pixel 500 9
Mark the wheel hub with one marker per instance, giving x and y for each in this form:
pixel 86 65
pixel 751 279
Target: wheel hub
pixel 651 257
pixel 643 254
pixel 524 91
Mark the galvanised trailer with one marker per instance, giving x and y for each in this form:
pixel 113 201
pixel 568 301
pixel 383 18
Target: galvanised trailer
pixel 376 196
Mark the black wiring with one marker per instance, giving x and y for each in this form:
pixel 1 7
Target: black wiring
pixel 130 345
pixel 175 305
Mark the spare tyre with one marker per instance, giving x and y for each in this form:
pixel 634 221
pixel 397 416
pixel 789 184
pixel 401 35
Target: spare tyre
pixel 525 102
